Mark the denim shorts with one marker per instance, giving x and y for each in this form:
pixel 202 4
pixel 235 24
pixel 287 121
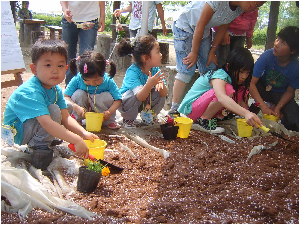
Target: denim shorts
pixel 183 45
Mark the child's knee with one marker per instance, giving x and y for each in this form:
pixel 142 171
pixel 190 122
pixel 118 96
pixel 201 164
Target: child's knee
pixel 55 113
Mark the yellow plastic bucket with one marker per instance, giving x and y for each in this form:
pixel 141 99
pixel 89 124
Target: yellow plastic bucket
pixel 185 125
pixel 96 149
pixel 94 121
pixel 270 117
pixel 244 130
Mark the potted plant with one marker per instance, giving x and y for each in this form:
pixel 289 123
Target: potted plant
pixel 89 176
pixel 168 129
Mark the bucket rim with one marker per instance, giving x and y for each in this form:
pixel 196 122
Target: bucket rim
pixel 187 120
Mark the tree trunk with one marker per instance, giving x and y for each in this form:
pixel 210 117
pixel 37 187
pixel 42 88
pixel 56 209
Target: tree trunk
pixel 272 25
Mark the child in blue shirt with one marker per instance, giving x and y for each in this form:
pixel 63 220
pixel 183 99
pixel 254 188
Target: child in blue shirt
pixel 223 88
pixel 143 89
pixel 37 110
pixel 276 77
pixel 92 89
pixel 192 39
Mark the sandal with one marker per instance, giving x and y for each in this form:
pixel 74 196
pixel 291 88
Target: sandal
pixel 114 126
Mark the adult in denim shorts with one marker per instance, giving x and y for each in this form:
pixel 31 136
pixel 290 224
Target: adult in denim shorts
pixel 80 21
pixel 188 26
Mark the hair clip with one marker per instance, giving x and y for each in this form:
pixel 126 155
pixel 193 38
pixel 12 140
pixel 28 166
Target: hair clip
pixel 85 70
pixel 107 62
pixel 77 59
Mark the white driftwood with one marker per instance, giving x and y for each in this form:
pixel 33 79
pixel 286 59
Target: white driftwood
pixel 142 142
pixel 128 149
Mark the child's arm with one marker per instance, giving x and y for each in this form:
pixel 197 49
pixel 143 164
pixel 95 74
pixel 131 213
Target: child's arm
pixel 256 96
pixel 151 82
pixel 217 40
pixel 219 88
pixel 78 109
pixel 205 17
pixel 116 104
pixel 285 98
pixel 61 132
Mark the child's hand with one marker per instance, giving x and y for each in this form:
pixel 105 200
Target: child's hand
pixel 159 86
pixel 89 136
pixel 81 149
pixel 190 60
pixel 157 78
pixel 212 58
pixel 80 111
pixel 106 115
pixel 252 119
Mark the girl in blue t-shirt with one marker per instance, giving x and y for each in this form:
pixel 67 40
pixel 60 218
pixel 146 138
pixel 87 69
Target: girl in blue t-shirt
pixel 92 90
pixel 276 78
pixel 223 88
pixel 143 89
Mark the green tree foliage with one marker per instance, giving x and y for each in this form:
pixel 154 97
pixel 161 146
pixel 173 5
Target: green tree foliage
pixel 50 19
pixel 288 16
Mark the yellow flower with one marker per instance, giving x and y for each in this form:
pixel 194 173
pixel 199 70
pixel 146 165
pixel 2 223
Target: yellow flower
pixel 105 171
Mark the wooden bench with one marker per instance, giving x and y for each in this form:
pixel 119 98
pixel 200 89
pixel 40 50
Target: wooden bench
pixel 53 30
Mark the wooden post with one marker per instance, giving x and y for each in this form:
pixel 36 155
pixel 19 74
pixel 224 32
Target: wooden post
pixel 117 5
pixel 272 25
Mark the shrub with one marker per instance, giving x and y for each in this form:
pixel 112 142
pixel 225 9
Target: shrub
pixel 50 19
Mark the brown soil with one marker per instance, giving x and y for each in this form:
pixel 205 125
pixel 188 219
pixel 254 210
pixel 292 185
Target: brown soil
pixel 204 180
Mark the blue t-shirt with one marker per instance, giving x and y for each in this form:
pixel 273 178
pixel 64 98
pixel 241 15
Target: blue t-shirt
pixel 201 86
pixel 134 78
pixel 108 85
pixel 263 68
pixel 29 101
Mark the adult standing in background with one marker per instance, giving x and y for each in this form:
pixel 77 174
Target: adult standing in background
pixel 24 13
pixel 80 21
pixel 135 7
pixel 239 31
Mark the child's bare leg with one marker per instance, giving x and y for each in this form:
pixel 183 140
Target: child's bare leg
pixel 212 109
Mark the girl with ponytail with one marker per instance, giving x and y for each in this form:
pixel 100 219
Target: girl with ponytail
pixel 92 89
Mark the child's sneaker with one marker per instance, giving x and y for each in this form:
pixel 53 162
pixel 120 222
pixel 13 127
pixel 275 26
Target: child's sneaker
pixel 129 124
pixel 174 113
pixel 114 126
pixel 210 125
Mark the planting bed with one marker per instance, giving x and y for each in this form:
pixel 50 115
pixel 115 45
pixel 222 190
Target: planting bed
pixel 204 180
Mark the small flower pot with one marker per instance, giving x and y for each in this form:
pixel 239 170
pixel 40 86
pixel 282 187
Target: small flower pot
pixel 87 180
pixel 169 132
pixel 42 157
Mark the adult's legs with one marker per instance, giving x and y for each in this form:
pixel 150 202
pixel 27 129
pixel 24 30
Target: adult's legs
pixel 237 41
pixel 87 39
pixel 70 36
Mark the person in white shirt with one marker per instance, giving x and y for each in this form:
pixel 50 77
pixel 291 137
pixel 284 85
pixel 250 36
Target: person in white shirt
pixel 81 20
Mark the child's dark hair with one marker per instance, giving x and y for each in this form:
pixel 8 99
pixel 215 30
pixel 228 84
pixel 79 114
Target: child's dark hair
pixel 239 59
pixel 290 34
pixel 42 46
pixel 91 63
pixel 141 46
